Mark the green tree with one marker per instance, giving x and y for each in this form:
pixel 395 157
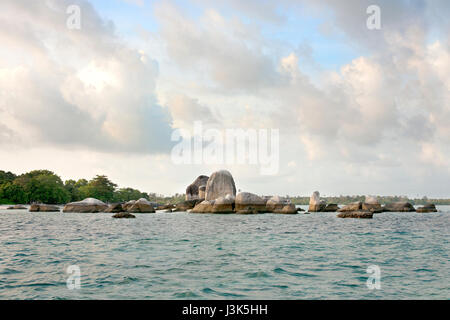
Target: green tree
pixel 127 194
pixel 6 177
pixel 43 186
pixel 12 193
pixel 100 188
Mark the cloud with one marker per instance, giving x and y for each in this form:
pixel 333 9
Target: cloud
pixel 77 88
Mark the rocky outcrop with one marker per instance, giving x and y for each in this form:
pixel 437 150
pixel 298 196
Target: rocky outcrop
pixel 193 190
pixel 165 207
pixel 250 201
pixel 427 208
pixel 17 207
pixel 372 204
pixel 123 215
pixel 402 206
pixel 43 208
pixel 141 206
pixel 220 184
pixel 315 204
pixel 89 205
pixel 355 206
pixel 115 208
pixel 220 205
pixel 360 214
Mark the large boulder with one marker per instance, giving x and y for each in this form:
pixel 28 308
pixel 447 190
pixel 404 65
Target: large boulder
pixel 372 204
pixel 89 205
pixel 355 206
pixel 401 206
pixel 427 208
pixel 220 184
pixel 193 191
pixel 277 203
pixel 221 205
pixel 43 208
pixel 141 206
pixel 315 204
pixel 359 214
pixel 250 201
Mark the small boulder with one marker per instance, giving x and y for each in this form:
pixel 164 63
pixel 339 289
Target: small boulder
pixel 204 207
pixel 427 208
pixel 248 211
pixel 220 205
pixel 187 205
pixel 287 209
pixel 360 214
pixel 220 184
pixel 355 206
pixel 250 201
pixel 331 207
pixel 89 205
pixel 401 206
pixel 123 215
pixel 193 190
pixel 43 208
pixel 315 204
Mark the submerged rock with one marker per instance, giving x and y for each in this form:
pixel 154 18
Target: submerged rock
pixel 315 204
pixel 43 208
pixel 427 208
pixel 355 206
pixel 123 215
pixel 89 205
pixel 17 207
pixel 401 206
pixel 360 214
pixel 193 190
pixel 220 184
pixel 250 201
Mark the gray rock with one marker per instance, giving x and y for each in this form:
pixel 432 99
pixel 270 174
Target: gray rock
pixel 427 208
pixel 43 208
pixel 89 205
pixel 220 184
pixel 123 215
pixel 401 206
pixel 250 201
pixel 355 206
pixel 315 204
pixel 193 191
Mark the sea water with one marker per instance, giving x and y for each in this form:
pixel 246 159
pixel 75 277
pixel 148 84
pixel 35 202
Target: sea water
pixel 191 256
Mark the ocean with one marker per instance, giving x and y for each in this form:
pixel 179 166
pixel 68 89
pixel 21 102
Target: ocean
pixel 189 256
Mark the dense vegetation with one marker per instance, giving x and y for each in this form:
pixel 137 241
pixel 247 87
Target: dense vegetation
pixel 47 187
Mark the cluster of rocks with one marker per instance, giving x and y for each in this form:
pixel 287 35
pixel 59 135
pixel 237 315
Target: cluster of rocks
pixel 17 207
pixel 38 207
pixel 217 194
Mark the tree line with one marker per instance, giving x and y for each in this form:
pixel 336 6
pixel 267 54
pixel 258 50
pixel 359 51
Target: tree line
pixel 44 186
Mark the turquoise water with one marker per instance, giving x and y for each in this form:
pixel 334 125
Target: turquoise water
pixel 188 256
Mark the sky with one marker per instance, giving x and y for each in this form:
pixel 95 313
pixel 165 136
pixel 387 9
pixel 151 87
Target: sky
pixel 359 111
